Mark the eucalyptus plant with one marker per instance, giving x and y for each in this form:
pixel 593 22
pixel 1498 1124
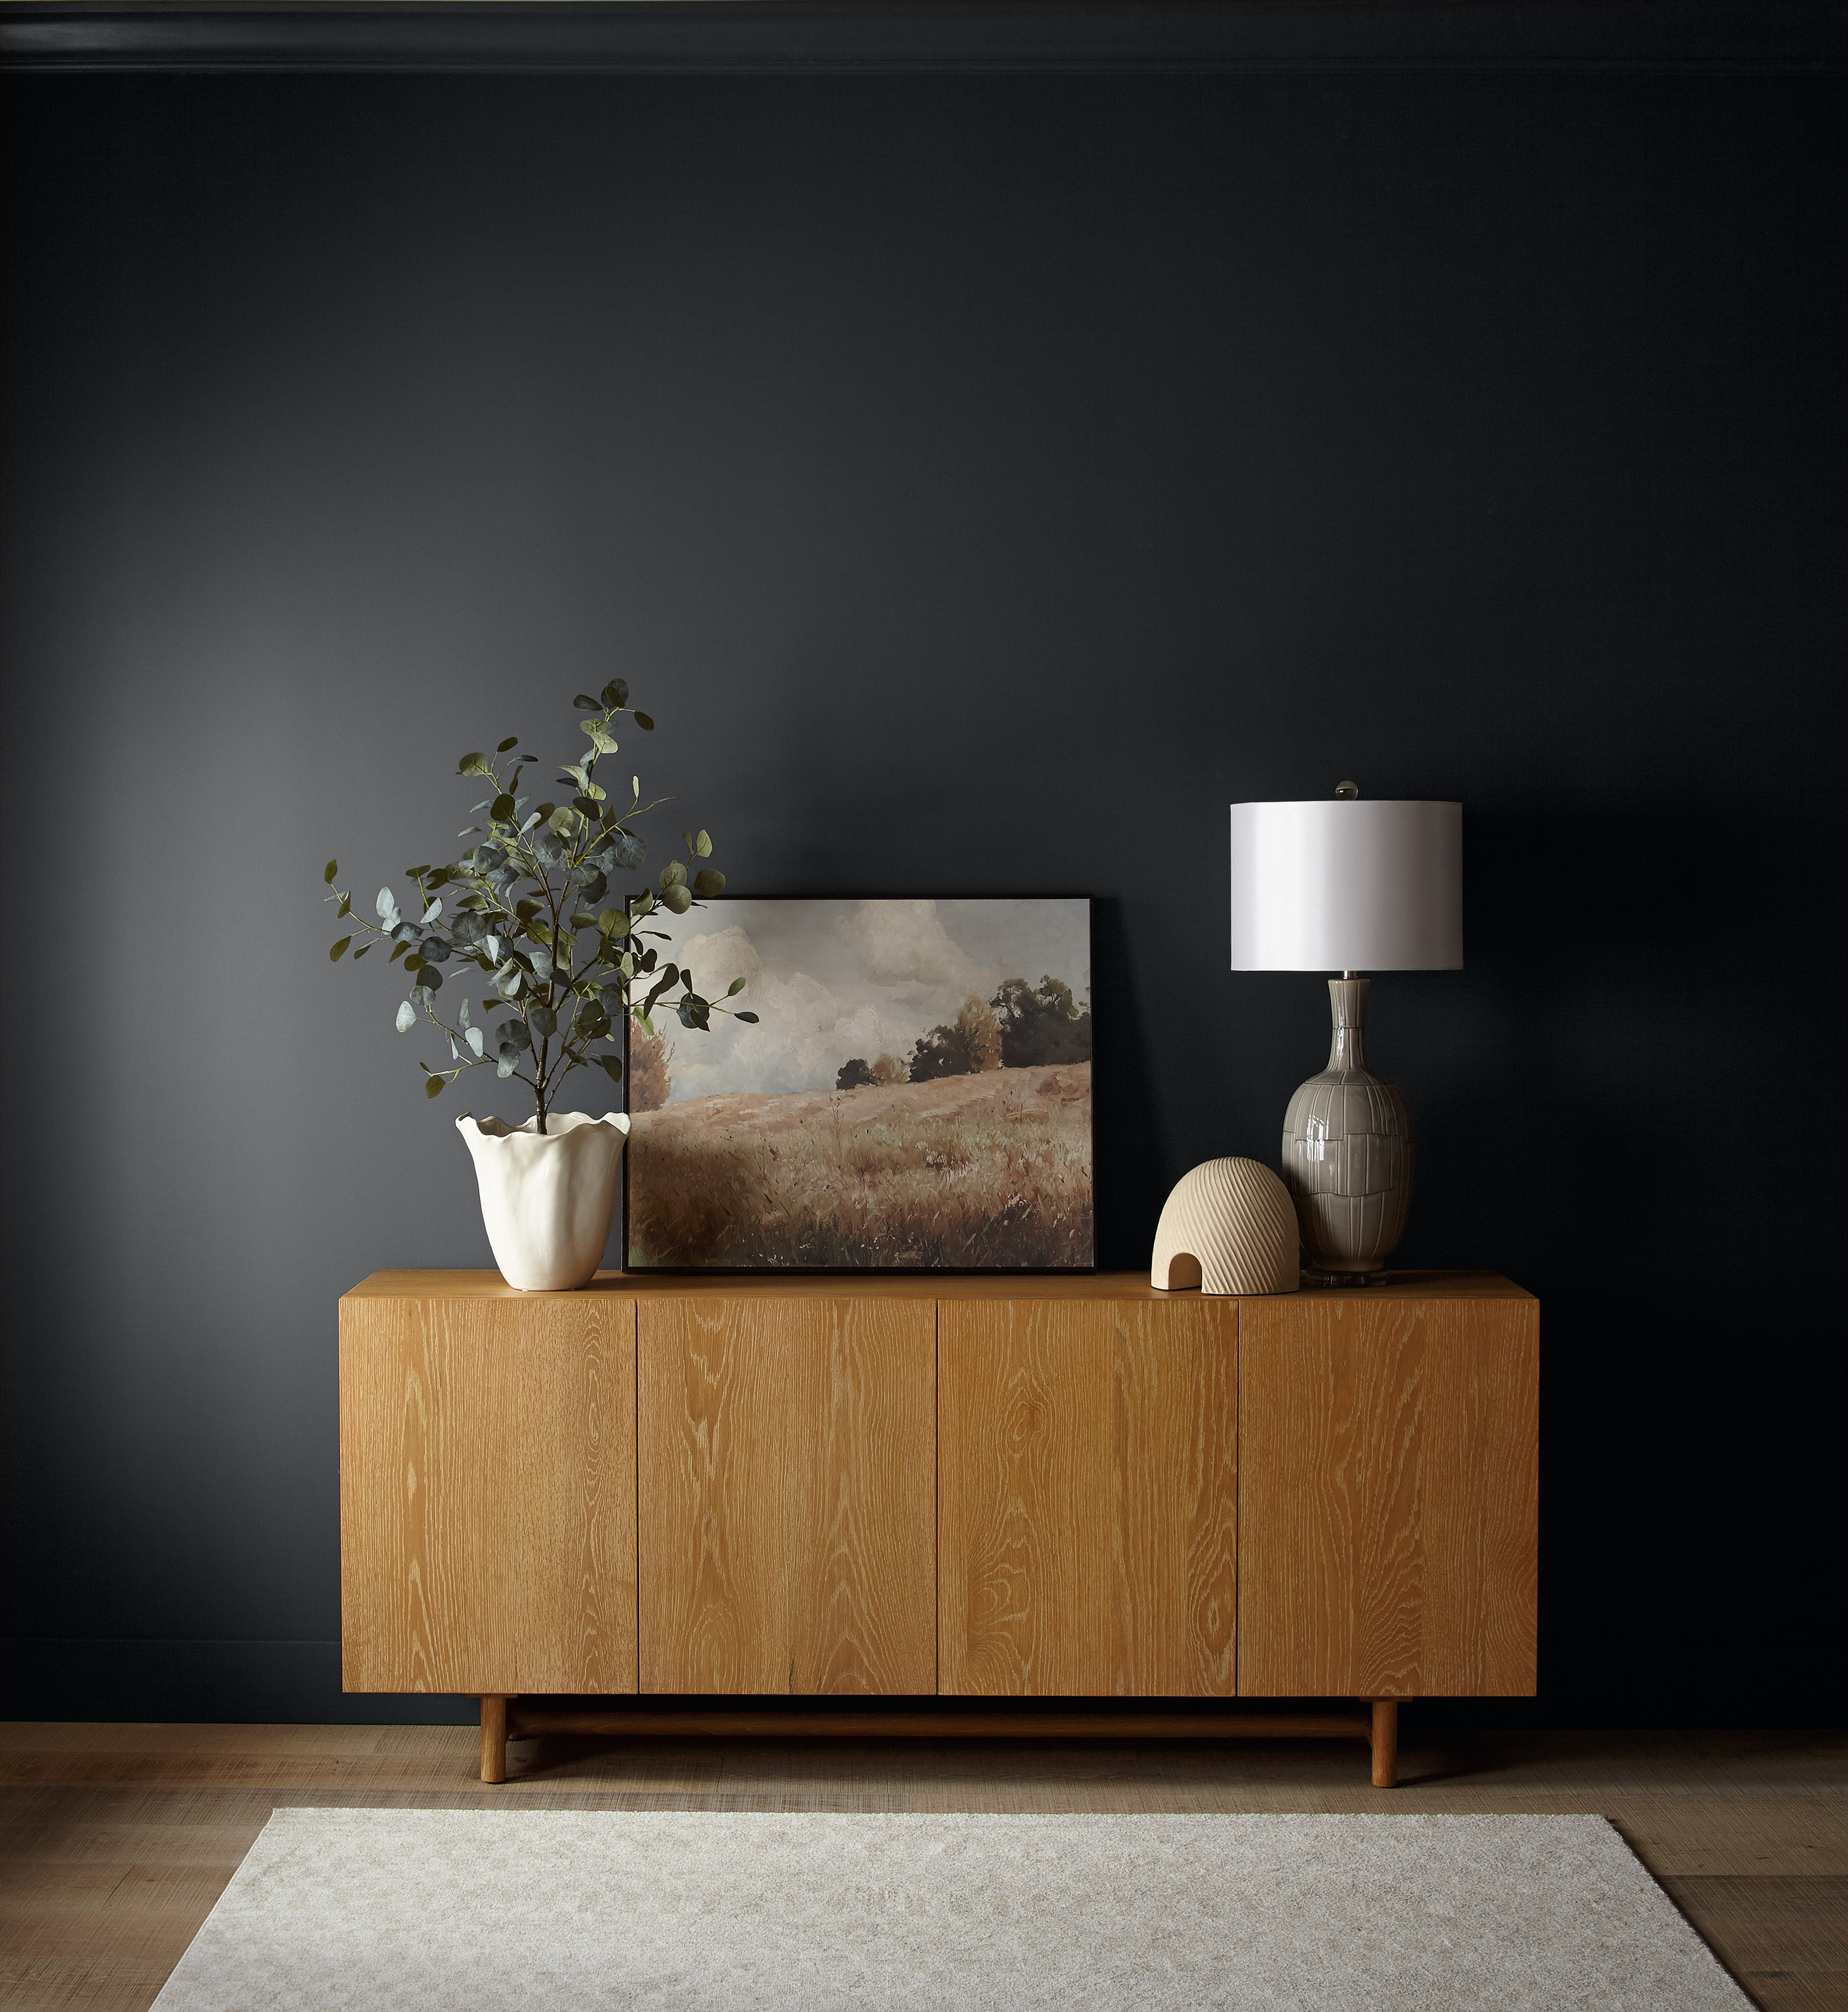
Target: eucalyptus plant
pixel 527 908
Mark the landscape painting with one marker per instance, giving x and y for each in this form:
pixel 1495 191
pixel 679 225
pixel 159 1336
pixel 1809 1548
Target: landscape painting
pixel 914 1095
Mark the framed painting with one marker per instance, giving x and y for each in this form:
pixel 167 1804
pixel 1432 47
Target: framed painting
pixel 915 1095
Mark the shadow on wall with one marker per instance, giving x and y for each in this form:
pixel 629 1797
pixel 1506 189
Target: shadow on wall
pixel 1132 1152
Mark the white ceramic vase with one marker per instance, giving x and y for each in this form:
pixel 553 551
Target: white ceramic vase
pixel 547 1199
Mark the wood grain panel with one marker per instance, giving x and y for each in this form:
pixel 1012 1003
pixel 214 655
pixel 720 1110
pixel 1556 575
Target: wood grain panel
pixel 1390 1477
pixel 787 1539
pixel 487 1494
pixel 1087 1497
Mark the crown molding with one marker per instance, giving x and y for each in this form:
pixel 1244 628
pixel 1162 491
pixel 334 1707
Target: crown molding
pixel 822 37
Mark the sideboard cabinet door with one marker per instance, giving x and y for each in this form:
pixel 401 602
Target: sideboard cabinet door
pixel 487 1493
pixel 1390 1454
pixel 1087 1506
pixel 786 1494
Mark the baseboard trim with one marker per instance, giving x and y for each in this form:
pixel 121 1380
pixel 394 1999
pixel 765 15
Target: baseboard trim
pixel 822 37
pixel 255 1683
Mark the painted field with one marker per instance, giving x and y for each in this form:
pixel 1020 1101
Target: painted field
pixel 983 1171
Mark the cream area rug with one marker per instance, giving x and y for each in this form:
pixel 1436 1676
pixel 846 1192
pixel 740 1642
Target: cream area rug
pixel 475 1910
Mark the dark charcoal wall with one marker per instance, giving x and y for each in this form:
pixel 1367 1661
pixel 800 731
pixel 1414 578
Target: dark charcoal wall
pixel 984 481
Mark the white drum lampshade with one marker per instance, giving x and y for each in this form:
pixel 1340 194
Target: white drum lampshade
pixel 1345 885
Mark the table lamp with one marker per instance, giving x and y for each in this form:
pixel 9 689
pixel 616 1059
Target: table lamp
pixel 1346 886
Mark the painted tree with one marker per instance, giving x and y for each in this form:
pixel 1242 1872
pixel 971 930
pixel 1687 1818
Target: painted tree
pixel 1041 1024
pixel 650 1072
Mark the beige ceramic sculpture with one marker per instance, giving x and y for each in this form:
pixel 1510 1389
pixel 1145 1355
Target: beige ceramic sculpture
pixel 1229 1227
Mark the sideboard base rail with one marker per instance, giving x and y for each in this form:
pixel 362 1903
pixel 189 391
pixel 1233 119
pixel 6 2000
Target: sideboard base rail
pixel 504 1718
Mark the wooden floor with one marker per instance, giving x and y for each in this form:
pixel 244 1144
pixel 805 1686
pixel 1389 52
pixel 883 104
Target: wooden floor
pixel 115 1840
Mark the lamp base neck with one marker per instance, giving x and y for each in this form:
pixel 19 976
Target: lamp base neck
pixel 1347 1008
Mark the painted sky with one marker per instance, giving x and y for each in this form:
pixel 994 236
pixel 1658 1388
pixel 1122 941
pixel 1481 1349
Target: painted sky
pixel 833 980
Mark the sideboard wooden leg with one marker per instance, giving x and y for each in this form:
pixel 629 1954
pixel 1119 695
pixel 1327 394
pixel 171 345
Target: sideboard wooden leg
pixel 493 1738
pixel 1385 1742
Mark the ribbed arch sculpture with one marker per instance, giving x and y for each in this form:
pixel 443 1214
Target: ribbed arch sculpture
pixel 1229 1226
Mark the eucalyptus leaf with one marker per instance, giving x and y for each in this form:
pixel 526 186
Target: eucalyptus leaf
pixel 526 951
pixel 751 1017
pixel 735 987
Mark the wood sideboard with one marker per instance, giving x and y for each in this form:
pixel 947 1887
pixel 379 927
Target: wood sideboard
pixel 1060 1487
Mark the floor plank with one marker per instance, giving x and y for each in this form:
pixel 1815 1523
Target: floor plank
pixel 115 1840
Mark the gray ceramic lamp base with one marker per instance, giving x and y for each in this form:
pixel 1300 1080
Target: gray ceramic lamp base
pixel 1348 1154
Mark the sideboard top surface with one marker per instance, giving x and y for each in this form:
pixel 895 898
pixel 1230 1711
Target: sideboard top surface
pixel 428 1284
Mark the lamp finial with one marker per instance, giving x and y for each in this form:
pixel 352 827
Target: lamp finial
pixel 1347 791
